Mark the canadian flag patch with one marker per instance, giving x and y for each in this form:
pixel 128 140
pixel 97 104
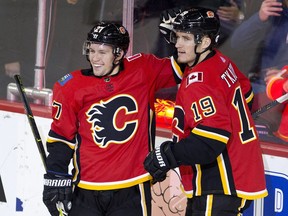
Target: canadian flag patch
pixel 194 77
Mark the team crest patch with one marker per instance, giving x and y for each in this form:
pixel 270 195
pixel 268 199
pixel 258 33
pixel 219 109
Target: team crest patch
pixel 210 14
pixel 194 77
pixel 65 79
pixel 122 30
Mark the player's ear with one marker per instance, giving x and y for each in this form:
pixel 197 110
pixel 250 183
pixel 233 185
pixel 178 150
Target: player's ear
pixel 206 42
pixel 119 56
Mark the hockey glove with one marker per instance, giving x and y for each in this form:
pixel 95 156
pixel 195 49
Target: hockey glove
pixel 159 161
pixel 166 19
pixel 57 194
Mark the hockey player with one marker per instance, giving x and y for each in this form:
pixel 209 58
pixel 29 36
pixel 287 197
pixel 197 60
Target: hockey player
pixel 103 119
pixel 214 136
pixel 277 85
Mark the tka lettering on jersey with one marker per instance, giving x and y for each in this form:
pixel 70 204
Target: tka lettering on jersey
pixel 229 76
pixel 65 79
pixel 194 77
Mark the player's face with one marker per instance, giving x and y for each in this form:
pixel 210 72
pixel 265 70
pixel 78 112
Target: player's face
pixel 101 58
pixel 185 46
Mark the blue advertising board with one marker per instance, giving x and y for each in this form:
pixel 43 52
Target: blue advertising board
pixel 276 203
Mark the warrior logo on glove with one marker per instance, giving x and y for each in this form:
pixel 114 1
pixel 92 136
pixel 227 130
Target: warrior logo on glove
pixel 159 161
pixel 57 183
pixel 159 157
pixel 57 194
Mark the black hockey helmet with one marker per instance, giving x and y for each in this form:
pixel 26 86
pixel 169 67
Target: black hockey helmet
pixel 200 22
pixel 113 34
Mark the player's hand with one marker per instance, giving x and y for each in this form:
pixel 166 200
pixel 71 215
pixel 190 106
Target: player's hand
pixel 57 194
pixel 167 17
pixel 159 161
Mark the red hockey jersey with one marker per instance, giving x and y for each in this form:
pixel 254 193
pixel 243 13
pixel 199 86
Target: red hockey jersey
pixel 107 123
pixel 212 111
pixel 275 89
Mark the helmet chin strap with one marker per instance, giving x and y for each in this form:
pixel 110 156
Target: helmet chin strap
pixel 113 67
pixel 198 54
pixel 116 54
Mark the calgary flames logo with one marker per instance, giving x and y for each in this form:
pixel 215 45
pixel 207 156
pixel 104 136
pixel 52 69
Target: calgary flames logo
pixel 210 14
pixel 113 121
pixel 122 30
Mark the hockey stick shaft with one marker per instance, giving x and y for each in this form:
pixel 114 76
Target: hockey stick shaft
pixel 270 105
pixel 31 119
pixel 33 126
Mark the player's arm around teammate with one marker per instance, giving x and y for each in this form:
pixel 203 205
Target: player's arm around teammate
pixel 103 123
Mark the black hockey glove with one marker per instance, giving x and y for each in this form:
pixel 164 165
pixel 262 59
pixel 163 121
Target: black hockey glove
pixel 159 161
pixel 166 19
pixel 57 194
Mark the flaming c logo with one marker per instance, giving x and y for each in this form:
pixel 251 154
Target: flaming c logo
pixel 210 14
pixel 112 121
pixel 122 30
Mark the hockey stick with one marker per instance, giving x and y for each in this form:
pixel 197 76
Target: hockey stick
pixel 35 132
pixel 31 119
pixel 270 105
